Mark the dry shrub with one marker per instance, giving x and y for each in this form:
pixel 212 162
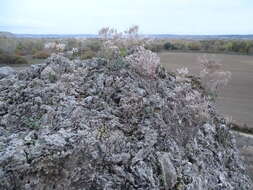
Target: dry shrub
pixel 189 105
pixel 109 50
pixel 41 55
pixel 145 61
pixel 88 54
pixel 182 74
pixel 130 47
pixel 12 59
pixel 213 78
pixel 122 41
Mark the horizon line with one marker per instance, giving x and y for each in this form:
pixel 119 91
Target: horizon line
pixel 231 34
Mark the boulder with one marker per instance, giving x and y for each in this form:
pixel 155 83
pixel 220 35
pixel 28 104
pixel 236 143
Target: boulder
pixel 6 71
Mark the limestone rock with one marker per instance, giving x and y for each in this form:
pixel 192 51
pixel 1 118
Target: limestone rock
pixel 100 126
pixel 6 71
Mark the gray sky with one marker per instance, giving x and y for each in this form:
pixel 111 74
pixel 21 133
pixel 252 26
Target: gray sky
pixel 153 16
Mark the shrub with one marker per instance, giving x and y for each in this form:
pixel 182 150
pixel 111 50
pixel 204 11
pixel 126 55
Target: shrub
pixel 194 46
pixel 155 47
pixel 28 46
pixel 250 51
pixel 228 46
pixel 104 32
pixel 128 50
pixel 72 43
pixel 182 74
pixel 145 61
pixel 169 46
pixel 8 45
pixel 180 46
pixel 41 55
pixel 12 59
pixel 109 50
pixel 88 54
pixel 19 60
pixel 129 40
pixel 212 76
pixel 94 45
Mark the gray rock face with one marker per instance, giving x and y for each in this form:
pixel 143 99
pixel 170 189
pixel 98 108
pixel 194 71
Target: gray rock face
pixel 93 125
pixel 245 145
pixel 6 71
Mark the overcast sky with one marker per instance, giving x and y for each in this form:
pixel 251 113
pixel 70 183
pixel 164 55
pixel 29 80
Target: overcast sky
pixel 153 16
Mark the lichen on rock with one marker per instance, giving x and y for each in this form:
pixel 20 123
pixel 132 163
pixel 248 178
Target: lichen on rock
pixel 87 125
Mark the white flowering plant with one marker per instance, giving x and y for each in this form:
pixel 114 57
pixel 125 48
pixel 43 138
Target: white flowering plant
pixel 145 61
pixel 130 47
pixel 213 78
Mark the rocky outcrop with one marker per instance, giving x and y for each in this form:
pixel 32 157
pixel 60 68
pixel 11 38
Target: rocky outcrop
pixel 98 125
pixel 6 71
pixel 245 145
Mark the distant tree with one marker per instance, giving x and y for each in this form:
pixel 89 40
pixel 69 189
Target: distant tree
pixel 194 46
pixel 169 46
pixel 8 45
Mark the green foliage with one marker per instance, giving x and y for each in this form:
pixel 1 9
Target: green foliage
pixel 52 78
pixel 8 45
pixel 94 45
pixel 228 46
pixel 28 46
pixel 123 52
pixel 11 59
pixel 32 123
pixel 169 46
pixel 118 64
pixel 155 47
pixel 194 46
pixel 72 43
pixel 215 46
pixel 87 54
pixel 19 60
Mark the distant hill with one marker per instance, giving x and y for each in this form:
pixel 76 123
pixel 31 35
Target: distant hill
pixel 202 37
pixel 7 34
pixel 158 36
pixel 56 35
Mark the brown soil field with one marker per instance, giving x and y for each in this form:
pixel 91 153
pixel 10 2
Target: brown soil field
pixel 236 99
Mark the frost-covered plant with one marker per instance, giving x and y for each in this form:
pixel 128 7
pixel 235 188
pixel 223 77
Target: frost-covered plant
pixel 104 32
pixel 213 78
pixel 60 47
pixel 55 46
pixel 132 32
pixel 183 71
pixel 190 104
pixel 109 50
pixel 145 61
pixel 128 47
pixel 199 105
pixel 181 74
pixel 132 38
pixel 128 40
pixel 50 45
pixel 111 43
